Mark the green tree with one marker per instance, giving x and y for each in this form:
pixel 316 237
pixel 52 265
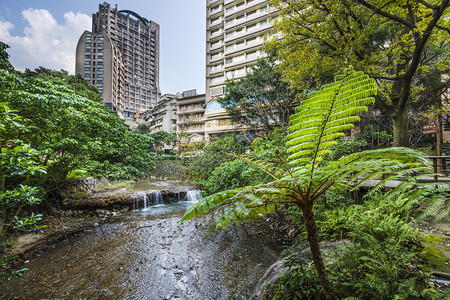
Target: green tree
pixel 261 100
pixel 318 122
pixel 4 57
pixel 17 163
pixel 71 131
pixel 162 138
pixel 73 82
pixel 393 41
pixel 217 152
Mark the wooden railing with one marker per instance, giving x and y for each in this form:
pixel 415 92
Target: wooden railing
pixel 440 165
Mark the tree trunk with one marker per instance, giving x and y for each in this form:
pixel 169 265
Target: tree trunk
pixel 313 240
pixel 401 131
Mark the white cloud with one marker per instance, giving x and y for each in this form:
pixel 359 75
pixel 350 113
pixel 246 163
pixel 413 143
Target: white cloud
pixel 45 42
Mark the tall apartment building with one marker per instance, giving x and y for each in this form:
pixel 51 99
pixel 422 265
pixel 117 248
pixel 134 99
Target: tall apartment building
pixel 138 41
pixel 235 32
pixel 100 62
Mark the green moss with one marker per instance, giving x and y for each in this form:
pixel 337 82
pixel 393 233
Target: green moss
pixel 433 252
pixel 115 185
pixel 79 173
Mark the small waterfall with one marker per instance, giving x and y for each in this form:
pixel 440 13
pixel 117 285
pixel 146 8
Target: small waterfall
pixel 135 202
pixel 193 196
pixel 145 200
pixel 137 198
pixel 156 198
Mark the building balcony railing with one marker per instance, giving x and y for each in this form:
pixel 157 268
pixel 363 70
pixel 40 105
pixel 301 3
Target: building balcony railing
pixel 193 121
pixel 191 110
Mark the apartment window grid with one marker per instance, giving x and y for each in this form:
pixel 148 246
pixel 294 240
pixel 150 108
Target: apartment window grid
pixel 235 43
pixel 138 40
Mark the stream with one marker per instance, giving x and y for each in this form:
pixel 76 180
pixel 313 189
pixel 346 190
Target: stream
pixel 148 254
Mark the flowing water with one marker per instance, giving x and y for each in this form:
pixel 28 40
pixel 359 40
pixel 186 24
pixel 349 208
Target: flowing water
pixel 148 254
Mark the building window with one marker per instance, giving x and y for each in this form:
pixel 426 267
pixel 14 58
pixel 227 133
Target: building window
pixel 250 13
pixel 217 79
pixel 215 8
pixel 250 27
pixel 251 55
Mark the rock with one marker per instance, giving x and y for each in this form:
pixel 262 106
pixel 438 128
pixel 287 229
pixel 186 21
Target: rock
pixel 96 224
pixel 265 286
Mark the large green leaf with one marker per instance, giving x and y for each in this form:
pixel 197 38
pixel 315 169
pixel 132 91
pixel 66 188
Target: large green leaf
pixel 325 115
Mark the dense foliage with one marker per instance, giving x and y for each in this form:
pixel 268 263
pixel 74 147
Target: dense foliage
pixel 218 151
pixel 261 100
pixel 71 131
pixel 403 45
pixel 318 122
pixel 75 83
pixel 381 259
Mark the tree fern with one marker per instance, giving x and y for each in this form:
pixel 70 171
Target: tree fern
pixel 318 122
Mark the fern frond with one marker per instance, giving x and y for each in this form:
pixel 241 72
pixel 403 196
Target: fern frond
pixel 323 118
pixel 270 168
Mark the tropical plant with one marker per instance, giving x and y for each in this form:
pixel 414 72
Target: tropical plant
pixel 401 44
pixel 314 128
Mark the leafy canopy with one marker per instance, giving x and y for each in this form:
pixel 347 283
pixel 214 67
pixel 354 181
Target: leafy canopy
pixel 261 100
pixel 397 43
pixel 71 131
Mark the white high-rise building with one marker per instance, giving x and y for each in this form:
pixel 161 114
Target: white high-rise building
pixel 235 32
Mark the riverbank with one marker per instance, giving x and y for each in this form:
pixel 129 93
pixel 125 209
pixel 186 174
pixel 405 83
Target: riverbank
pixel 148 254
pixel 88 204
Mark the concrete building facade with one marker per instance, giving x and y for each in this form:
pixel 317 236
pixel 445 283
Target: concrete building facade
pixel 99 61
pixel 137 38
pixel 191 114
pixel 162 117
pixel 235 32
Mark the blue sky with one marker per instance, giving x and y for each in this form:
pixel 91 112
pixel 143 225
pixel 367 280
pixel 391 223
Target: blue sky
pixel 45 33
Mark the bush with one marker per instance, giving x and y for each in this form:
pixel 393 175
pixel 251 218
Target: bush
pixel 383 261
pixel 218 151
pixel 228 175
pixel 172 169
